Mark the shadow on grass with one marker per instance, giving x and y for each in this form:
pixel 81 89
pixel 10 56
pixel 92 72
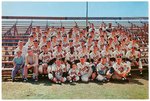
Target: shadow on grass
pixel 46 82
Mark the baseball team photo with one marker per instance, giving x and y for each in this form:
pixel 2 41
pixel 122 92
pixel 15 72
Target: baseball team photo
pixel 75 50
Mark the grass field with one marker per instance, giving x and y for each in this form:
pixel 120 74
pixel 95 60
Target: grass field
pixel 137 88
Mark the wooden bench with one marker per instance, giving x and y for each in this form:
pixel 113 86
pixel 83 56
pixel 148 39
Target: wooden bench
pixel 14 38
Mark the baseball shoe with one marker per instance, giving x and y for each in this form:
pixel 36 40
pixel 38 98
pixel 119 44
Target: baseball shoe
pixel 25 80
pixel 13 80
pixel 59 82
pixel 129 74
pixel 36 79
pixel 123 79
pixel 56 82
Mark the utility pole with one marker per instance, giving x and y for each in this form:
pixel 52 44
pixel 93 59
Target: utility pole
pixel 86 13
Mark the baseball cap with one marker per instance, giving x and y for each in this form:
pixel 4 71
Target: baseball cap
pixel 29 49
pixel 44 45
pixel 18 50
pixel 35 41
pixel 31 35
pixel 64 35
pixel 71 40
pixel 43 36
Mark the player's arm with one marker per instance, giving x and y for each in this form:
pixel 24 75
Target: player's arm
pixel 26 61
pixel 116 70
pixel 36 60
pixel 14 63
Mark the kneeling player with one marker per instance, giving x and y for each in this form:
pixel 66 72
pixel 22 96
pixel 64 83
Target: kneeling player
pixel 102 68
pixel 73 73
pixel 134 57
pixel 85 70
pixel 57 73
pixel 121 69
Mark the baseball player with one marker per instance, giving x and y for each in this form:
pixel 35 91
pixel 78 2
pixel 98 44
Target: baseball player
pixel 58 73
pixel 85 71
pixel 134 57
pixel 45 57
pixel 35 35
pixel 65 42
pixel 59 36
pixel 76 42
pixel 22 48
pixel 94 58
pixel 84 52
pixel 42 41
pixel 101 40
pixel 73 73
pixel 52 31
pixel 63 31
pixel 118 52
pixel 75 31
pixel 133 44
pixel 35 47
pixel 58 53
pixel 102 69
pixel 71 56
pixel 54 42
pixel 30 43
pixel 49 46
pixel 121 70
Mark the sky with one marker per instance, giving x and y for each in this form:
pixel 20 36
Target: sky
pixel 76 9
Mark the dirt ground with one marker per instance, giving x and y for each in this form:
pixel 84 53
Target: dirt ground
pixel 137 88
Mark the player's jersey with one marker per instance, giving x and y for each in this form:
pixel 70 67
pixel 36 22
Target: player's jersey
pixel 45 57
pixel 58 70
pixel 73 72
pixel 131 55
pixel 36 50
pixel 118 53
pixel 67 49
pixel 83 53
pixel 58 55
pixel 89 44
pixel 119 68
pixel 71 57
pixel 63 67
pixel 95 56
pixel 123 47
pixel 24 51
pixel 29 44
pixel 65 44
pixel 52 33
pixel 50 49
pixel 41 44
pixel 100 42
pixel 76 44
pixel 131 45
pixel 54 44
pixel 105 53
pixel 102 67
pixel 83 68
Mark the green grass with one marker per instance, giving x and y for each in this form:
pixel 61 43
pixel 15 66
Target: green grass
pixel 136 89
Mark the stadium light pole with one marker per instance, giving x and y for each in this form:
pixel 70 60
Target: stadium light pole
pixel 86 13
